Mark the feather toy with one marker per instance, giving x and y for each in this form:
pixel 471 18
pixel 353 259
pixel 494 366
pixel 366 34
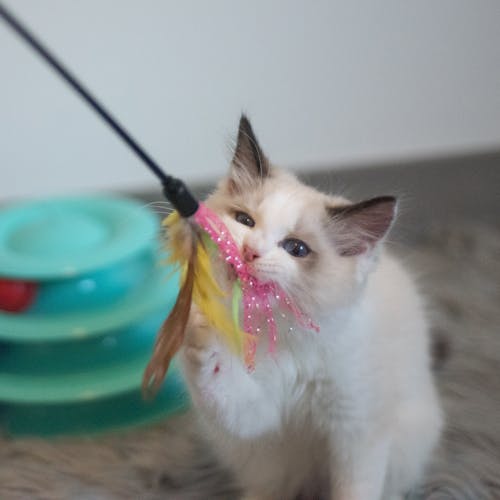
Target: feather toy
pixel 193 252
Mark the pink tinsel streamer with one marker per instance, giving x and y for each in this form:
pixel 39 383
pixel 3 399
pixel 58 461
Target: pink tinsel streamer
pixel 257 296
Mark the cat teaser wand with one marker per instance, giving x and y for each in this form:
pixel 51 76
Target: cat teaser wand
pixel 200 234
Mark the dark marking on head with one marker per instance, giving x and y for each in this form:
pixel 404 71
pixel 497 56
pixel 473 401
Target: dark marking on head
pixel 440 349
pixel 358 227
pixel 249 164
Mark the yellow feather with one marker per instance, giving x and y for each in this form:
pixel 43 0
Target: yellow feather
pixel 212 300
pixel 207 293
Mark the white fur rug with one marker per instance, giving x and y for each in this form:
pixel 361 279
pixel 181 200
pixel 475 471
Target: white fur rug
pixel 460 271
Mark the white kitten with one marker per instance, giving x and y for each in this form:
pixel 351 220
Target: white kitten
pixel 351 410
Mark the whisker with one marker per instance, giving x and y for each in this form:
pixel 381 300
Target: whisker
pixel 160 203
pixel 162 211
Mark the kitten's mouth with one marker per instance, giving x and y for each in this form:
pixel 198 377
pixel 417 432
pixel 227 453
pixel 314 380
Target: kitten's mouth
pixel 252 271
pixel 260 274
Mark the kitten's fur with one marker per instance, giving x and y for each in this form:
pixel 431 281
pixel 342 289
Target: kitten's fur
pixel 352 410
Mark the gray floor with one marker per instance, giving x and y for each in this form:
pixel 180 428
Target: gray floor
pixel 458 265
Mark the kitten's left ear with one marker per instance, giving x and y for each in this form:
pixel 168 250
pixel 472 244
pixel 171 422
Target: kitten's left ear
pixel 359 227
pixel 249 165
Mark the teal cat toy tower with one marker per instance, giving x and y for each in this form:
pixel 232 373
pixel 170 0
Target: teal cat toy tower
pixel 82 296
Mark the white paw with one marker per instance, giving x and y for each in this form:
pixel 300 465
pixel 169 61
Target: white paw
pixel 203 359
pixel 203 369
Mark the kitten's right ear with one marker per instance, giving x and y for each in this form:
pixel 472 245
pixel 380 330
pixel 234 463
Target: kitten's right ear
pixel 357 228
pixel 249 165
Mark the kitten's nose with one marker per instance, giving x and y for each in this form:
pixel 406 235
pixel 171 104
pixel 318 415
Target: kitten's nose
pixel 249 254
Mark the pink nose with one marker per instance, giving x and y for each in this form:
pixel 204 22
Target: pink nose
pixel 249 254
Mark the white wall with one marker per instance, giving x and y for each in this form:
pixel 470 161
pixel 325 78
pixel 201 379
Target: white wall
pixel 326 83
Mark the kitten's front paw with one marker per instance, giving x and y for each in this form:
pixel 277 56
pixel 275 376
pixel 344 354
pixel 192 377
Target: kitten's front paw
pixel 202 370
pixel 200 349
pixel 203 359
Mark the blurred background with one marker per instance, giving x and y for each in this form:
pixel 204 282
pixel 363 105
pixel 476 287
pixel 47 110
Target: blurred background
pixel 359 98
pixel 329 85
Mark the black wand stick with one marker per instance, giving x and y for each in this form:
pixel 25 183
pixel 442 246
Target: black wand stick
pixel 174 189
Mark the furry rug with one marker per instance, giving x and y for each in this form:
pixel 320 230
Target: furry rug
pixel 460 271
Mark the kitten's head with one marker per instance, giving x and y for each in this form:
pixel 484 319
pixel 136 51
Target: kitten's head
pixel 317 247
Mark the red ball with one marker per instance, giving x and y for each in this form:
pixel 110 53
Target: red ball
pixel 16 296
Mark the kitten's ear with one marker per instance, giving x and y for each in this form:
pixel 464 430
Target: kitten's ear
pixel 359 227
pixel 249 165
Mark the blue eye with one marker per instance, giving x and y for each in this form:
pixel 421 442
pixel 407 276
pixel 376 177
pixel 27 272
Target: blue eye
pixel 295 247
pixel 244 218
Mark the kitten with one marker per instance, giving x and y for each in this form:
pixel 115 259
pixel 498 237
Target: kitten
pixel 352 410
